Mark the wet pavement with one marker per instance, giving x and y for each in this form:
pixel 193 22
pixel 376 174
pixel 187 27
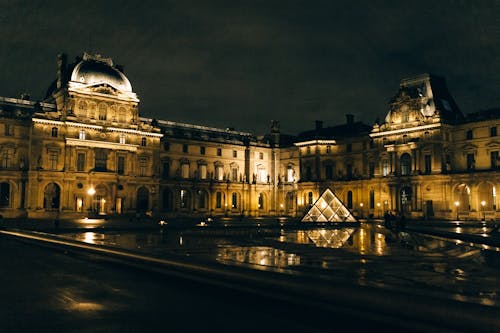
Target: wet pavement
pixel 368 255
pixel 439 261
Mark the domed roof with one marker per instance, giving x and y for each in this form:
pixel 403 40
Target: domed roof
pixel 95 70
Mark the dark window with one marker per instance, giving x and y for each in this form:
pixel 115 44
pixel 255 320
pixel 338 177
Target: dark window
pixel 54 132
pixel 202 151
pixel 120 168
pixel 494 159
pixel 471 163
pixel 328 149
pixel 428 164
pixel 310 198
pixel 493 131
pixel 371 169
pixel 329 171
pixel 349 199
pixel 468 135
pixel 348 147
pixel 166 170
pixel 9 130
pixel 235 153
pixel 101 158
pixel 144 142
pixel 348 169
pixel 53 159
pixel 234 200
pixel 202 197
pixel 143 166
pixel 372 199
pixel 184 148
pixel 4 194
pixel 80 162
pixel 308 173
pixel 234 174
pixel 166 146
pixel 261 156
pixel 219 152
pixel 218 200
pixel 405 162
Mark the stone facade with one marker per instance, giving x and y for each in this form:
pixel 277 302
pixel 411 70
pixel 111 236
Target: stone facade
pixel 85 150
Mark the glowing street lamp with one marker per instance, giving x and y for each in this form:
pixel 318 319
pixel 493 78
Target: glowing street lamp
pixel 361 209
pixel 483 203
pixel 456 205
pixel 91 192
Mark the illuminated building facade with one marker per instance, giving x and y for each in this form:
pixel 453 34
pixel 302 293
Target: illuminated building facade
pixel 86 149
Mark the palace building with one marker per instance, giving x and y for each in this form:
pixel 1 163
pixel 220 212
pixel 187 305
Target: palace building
pixel 86 149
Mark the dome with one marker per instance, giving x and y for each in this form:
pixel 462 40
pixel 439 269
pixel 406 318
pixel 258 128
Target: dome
pixel 95 70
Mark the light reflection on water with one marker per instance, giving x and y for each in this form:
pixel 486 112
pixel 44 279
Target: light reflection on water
pixel 369 255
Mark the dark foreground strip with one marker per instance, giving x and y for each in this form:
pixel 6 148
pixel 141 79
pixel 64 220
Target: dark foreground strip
pixel 409 311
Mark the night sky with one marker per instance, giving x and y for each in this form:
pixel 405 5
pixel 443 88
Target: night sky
pixel 243 63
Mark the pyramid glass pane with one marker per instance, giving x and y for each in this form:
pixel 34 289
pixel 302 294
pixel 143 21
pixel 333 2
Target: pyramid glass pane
pixel 328 208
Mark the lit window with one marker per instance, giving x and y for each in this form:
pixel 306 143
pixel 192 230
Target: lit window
pixel 185 170
pixel 81 135
pixel 123 139
pixel 202 169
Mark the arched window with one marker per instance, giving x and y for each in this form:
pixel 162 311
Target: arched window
pixel 405 163
pixel 102 111
pixel 234 200
pixel 142 199
pixel 202 199
pixel 52 196
pixel 4 195
pixel 349 199
pixel 184 199
pixel 144 142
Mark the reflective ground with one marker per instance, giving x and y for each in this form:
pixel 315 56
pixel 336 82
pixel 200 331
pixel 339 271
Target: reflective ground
pixel 365 255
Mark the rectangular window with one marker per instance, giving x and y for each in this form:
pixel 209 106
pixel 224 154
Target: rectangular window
pixel 218 200
pixel 234 174
pixel 219 152
pixel 289 175
pixel 471 163
pixel 184 148
pixel 120 168
pixel 202 150
pixel 81 135
pixel 328 149
pixel 203 171
pixel 219 173
pixel 371 169
pixel 9 130
pixel 235 153
pixel 4 194
pixel 143 166
pixel 372 199
pixel 123 139
pixel 428 164
pixel 53 159
pixel 79 204
pixel 7 156
pixel 234 200
pixel 468 135
pixel 80 162
pixel 101 159
pixel 54 132
pixel 348 169
pixel 493 131
pixel 166 146
pixel 386 168
pixel 261 156
pixel 165 172
pixel 185 170
pixel 494 159
pixel 329 172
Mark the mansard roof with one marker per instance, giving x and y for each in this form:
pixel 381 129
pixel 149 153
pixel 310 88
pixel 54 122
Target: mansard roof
pixel 339 132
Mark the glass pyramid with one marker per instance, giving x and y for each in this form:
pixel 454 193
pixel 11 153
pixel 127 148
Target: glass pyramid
pixel 328 208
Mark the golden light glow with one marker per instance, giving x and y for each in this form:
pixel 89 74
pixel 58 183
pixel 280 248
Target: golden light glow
pixel 457 203
pixel 91 191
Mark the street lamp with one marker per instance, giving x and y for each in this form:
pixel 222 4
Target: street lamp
pixel 91 192
pixel 483 203
pixel 378 208
pixel 456 205
pixel 361 209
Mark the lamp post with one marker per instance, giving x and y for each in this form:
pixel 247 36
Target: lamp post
pixel 91 192
pixel 483 203
pixel 361 209
pixel 378 209
pixel 456 205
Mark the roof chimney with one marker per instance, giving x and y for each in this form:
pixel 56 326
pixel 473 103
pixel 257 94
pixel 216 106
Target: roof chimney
pixel 349 118
pixel 319 124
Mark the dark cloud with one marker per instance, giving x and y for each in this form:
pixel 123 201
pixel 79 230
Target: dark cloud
pixel 242 63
